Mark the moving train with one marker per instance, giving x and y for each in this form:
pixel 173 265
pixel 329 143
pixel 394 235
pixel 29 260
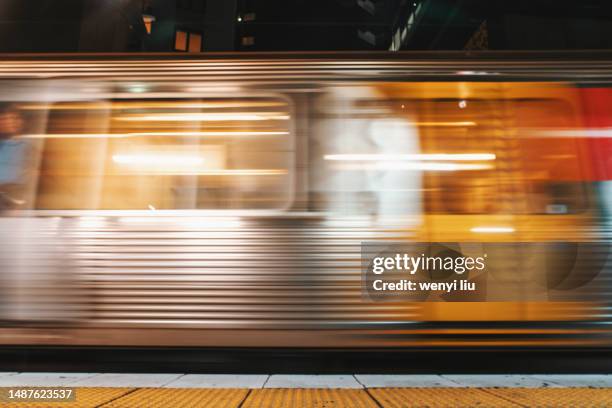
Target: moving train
pixel 223 199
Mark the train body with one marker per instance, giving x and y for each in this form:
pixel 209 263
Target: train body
pixel 223 200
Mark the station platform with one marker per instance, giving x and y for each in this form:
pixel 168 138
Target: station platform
pixel 93 390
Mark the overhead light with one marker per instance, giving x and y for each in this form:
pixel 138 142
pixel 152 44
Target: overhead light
pixel 148 20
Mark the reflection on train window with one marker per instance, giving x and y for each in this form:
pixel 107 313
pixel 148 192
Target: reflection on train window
pixel 218 153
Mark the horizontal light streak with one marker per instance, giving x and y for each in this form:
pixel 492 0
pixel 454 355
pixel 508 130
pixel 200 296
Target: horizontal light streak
pixel 203 117
pixel 595 133
pixel 158 160
pixel 147 134
pixel 418 166
pixel 183 163
pixel 144 105
pixel 412 157
pixel 242 172
pixel 183 171
pixel 492 230
pixel 445 124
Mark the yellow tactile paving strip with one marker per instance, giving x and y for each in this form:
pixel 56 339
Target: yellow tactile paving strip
pixel 309 398
pixel 557 397
pixel 85 398
pixel 438 397
pixel 181 397
pixel 330 398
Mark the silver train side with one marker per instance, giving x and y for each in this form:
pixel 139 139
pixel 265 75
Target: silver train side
pixel 288 276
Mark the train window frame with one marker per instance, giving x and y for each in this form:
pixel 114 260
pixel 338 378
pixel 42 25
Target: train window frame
pixel 109 97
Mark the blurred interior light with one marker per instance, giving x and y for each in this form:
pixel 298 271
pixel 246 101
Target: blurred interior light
pixel 244 172
pixel 146 134
pixel 209 161
pixel 158 160
pixel 152 104
pixel 151 207
pixel 168 159
pixel 462 104
pixel 492 229
pixel 422 166
pixel 412 157
pixel 204 117
pixel 586 133
pixel 445 124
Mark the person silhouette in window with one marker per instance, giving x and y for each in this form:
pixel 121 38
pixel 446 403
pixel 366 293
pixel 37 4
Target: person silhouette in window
pixel 13 156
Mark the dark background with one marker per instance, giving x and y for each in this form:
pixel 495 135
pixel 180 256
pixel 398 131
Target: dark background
pixel 304 25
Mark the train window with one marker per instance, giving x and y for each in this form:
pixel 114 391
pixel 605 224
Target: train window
pixel 214 153
pixel 72 164
pixel 466 131
pixel 384 155
pixel 552 165
pixel 362 155
pixel 379 152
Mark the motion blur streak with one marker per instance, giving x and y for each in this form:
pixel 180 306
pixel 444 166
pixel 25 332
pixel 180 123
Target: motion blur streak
pixel 157 200
pixel 492 230
pixel 140 134
pixel 417 157
pixel 162 160
pixel 202 118
pixel 430 166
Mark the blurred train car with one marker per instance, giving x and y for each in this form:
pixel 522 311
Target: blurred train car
pixel 222 200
